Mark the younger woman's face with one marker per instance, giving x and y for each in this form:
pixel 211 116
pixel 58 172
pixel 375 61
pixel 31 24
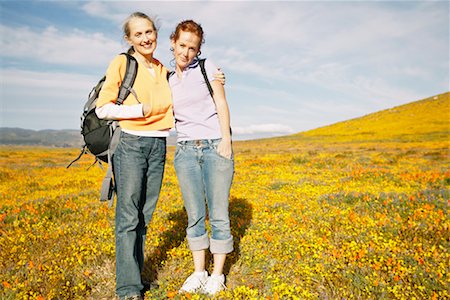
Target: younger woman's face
pixel 142 36
pixel 185 48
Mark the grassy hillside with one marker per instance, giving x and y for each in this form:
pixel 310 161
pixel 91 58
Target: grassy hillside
pixel 420 124
pixel 324 214
pixel 424 120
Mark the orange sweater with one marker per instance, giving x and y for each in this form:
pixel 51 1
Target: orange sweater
pixel 149 89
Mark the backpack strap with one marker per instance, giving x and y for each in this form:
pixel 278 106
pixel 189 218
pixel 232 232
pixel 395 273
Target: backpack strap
pixel 169 74
pixel 127 83
pixel 83 150
pixel 205 76
pixel 108 188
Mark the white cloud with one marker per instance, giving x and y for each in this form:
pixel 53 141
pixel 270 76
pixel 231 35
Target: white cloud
pixel 43 100
pixel 337 46
pixel 262 128
pixel 100 9
pixel 45 83
pixel 56 47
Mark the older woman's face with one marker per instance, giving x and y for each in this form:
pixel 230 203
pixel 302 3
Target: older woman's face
pixel 142 36
pixel 185 48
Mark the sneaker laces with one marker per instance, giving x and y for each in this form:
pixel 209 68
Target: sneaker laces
pixel 214 284
pixel 193 281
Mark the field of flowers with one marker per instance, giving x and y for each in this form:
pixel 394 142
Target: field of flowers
pixel 314 216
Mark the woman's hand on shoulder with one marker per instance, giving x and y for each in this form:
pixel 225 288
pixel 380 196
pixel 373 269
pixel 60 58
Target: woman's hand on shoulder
pixel 220 76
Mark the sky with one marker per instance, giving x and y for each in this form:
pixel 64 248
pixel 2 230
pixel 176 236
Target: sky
pixel 290 66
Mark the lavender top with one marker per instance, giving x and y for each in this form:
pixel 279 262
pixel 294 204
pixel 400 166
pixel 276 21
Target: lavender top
pixel 194 109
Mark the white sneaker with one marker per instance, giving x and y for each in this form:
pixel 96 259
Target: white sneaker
pixel 194 282
pixel 214 284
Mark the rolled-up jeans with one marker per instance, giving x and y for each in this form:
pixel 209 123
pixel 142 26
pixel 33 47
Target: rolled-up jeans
pixel 205 178
pixel 138 164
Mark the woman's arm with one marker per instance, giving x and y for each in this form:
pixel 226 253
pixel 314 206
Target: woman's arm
pixel 111 111
pixel 223 113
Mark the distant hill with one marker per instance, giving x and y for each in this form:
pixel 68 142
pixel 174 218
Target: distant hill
pixel 423 120
pixel 69 138
pixel 48 138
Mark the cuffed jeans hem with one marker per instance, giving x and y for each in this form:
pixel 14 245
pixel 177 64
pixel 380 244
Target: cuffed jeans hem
pixel 132 295
pixel 221 246
pixel 198 243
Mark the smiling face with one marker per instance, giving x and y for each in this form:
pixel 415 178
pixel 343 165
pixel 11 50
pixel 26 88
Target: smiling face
pixel 185 48
pixel 142 36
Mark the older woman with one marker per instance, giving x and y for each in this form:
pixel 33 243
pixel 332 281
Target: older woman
pixel 138 162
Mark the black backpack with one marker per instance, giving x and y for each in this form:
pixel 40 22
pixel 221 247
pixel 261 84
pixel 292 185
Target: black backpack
pixel 102 136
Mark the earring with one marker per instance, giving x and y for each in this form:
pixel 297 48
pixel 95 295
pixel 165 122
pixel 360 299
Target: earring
pixel 171 49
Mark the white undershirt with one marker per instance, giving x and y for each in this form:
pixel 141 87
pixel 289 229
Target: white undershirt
pixel 152 71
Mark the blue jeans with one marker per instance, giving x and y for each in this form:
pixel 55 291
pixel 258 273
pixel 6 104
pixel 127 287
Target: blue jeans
pixel 205 177
pixel 138 171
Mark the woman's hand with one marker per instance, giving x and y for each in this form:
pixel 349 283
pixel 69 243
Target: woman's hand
pixel 146 108
pixel 224 148
pixel 220 76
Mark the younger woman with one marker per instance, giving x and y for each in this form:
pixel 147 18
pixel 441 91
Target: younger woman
pixel 203 160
